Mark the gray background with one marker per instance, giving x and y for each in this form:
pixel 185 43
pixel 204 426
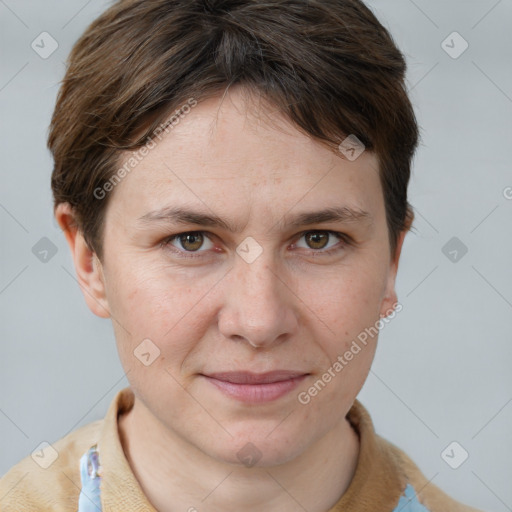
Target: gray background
pixel 442 370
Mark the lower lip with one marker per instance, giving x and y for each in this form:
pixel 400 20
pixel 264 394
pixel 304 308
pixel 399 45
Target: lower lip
pixel 257 392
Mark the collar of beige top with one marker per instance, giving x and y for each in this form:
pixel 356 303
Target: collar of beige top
pixel 378 480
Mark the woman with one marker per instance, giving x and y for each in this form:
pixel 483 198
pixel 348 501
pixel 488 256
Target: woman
pixel 231 177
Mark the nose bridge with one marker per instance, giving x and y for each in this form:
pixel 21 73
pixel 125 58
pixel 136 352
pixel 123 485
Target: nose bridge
pixel 256 284
pixel 258 265
pixel 260 276
pixel 257 306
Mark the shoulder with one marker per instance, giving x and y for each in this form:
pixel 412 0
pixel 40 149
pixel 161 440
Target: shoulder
pixel 420 491
pixel 49 480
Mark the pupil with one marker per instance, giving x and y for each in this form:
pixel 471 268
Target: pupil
pixel 189 240
pixel 318 238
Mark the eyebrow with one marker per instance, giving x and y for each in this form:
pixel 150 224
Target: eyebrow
pixel 182 215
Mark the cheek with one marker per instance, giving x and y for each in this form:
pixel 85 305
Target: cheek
pixel 174 308
pixel 346 303
pixel 159 304
pixel 346 311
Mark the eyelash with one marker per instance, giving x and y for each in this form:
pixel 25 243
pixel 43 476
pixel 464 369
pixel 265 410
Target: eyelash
pixel 345 239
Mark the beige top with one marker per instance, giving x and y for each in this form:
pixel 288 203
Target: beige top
pixel 383 472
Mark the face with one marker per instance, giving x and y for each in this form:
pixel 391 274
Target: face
pixel 223 248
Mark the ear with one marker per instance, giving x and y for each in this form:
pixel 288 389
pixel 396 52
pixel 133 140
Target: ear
pixel 87 265
pixel 390 298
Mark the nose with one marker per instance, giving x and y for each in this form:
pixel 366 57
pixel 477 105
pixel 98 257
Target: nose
pixel 258 305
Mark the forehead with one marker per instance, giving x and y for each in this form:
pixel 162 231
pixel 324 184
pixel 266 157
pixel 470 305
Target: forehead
pixel 234 151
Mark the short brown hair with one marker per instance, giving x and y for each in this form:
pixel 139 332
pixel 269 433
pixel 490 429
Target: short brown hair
pixel 328 65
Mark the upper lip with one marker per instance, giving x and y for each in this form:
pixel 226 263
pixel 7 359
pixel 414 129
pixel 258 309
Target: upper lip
pixel 255 378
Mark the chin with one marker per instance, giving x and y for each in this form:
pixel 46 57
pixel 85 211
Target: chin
pixel 259 449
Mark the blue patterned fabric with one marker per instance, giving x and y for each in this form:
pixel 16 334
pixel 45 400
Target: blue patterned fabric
pixel 89 500
pixel 409 502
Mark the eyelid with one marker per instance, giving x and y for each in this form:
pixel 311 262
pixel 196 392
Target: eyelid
pixel 345 239
pixel 166 243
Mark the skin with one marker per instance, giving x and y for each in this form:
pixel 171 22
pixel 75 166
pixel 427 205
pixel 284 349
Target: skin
pixel 294 307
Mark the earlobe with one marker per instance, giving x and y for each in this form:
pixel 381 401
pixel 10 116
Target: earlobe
pixel 88 267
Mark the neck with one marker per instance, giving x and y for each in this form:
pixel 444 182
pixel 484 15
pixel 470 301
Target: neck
pixel 176 476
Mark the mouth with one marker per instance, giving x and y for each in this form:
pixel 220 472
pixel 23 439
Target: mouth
pixel 256 387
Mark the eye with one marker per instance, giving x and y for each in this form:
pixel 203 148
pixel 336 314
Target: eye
pixel 320 241
pixel 188 242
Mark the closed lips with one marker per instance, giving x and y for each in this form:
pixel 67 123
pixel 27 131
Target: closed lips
pixel 255 378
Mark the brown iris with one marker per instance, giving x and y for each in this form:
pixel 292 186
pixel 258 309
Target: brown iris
pixel 191 241
pixel 317 240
